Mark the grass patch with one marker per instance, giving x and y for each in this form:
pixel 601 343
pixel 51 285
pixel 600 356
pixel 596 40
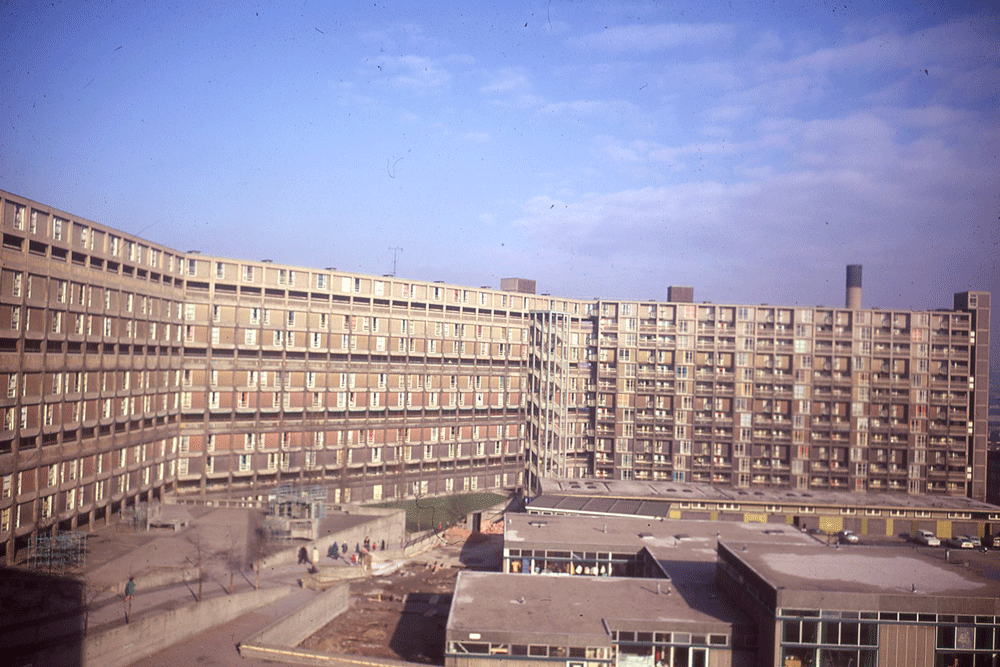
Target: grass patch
pixel 444 511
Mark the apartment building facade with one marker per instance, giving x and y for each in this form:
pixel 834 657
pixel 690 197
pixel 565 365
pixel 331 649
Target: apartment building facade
pixel 804 398
pixel 133 370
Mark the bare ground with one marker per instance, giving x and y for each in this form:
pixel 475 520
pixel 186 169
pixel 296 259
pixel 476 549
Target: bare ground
pixel 402 616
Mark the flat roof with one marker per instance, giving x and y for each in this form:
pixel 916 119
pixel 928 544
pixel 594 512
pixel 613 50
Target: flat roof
pixel 652 498
pixel 666 539
pixel 876 578
pixel 579 610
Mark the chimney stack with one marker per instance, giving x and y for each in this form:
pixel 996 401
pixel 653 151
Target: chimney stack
pixel 853 287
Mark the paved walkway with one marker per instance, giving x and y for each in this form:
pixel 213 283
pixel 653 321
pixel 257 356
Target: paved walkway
pixel 165 563
pixel 217 646
pixel 165 566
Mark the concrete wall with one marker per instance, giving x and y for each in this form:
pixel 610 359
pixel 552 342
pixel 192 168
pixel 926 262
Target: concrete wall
pixel 385 524
pixel 304 656
pixel 382 524
pixel 145 636
pixel 156 579
pixel 295 628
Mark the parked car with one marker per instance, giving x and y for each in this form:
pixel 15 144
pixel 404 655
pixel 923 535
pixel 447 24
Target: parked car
pixel 996 541
pixel 961 542
pixel 848 537
pixel 927 537
pixel 976 542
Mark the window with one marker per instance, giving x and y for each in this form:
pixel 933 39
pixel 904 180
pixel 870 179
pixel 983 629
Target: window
pixel 19 216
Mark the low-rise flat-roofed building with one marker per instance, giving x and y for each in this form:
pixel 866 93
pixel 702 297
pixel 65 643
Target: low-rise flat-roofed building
pixel 591 622
pixel 867 606
pixel 673 594
pixel 624 546
pixel 878 515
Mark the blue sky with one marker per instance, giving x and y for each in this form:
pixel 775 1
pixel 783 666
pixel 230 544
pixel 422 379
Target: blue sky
pixel 750 150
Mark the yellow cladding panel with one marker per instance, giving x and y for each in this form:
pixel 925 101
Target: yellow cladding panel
pixel 831 524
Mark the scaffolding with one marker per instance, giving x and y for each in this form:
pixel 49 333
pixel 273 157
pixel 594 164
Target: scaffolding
pixel 136 516
pixel 295 511
pixel 58 553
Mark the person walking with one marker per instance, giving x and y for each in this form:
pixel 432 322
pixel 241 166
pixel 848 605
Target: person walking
pixel 129 594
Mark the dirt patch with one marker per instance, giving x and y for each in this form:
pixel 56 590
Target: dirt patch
pixel 401 617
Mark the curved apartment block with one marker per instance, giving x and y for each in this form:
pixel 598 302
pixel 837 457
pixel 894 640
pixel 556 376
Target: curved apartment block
pixel 132 369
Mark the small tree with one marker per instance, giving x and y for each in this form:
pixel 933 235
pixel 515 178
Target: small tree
pixel 88 593
pixel 234 560
pixel 200 554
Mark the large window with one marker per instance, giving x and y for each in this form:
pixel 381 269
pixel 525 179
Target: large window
pixel 968 645
pixel 812 642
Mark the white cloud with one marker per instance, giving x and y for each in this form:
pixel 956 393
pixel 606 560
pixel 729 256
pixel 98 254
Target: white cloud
pixel 607 111
pixel 508 80
pixel 416 73
pixel 511 87
pixel 649 38
pixel 477 137
pixel 808 197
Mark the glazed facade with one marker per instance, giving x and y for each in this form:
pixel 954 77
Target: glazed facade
pixel 132 369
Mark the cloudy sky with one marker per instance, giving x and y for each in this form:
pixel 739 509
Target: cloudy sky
pixel 750 150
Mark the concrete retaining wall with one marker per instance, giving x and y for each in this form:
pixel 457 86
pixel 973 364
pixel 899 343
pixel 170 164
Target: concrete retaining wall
pixel 145 636
pixel 421 543
pixel 295 628
pixel 304 656
pixel 383 524
pixel 156 579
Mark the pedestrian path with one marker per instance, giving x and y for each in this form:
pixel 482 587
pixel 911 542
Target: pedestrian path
pixel 165 565
pixel 108 609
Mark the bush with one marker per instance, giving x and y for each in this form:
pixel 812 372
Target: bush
pixel 443 511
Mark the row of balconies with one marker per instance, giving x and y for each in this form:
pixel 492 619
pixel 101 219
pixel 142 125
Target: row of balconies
pixel 115 267
pixel 111 495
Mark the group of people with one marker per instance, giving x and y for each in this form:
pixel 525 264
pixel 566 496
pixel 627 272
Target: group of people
pixel 360 550
pixel 339 550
